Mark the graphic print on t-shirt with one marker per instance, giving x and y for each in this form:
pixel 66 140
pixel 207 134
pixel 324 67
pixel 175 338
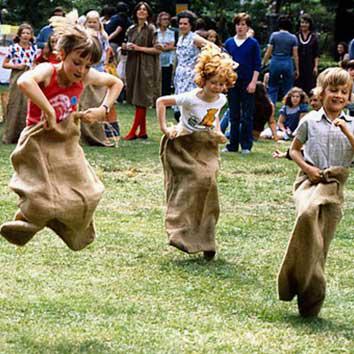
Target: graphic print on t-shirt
pixel 207 121
pixel 209 118
pixel 62 106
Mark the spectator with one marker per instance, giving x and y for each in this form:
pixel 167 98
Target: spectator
pixel 46 31
pixel 350 69
pixel 20 58
pixel 351 49
pixel 165 43
pixel 342 52
pixel 212 36
pixel 49 53
pixel 245 51
pixel 117 25
pixel 290 114
pixel 187 53
pixel 308 54
pixel 283 47
pixel 142 68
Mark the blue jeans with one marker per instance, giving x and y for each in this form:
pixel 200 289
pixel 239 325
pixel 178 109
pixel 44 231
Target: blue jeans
pixel 241 104
pixel 281 77
pixel 225 120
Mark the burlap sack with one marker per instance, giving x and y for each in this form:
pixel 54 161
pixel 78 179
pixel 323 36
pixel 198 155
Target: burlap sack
pixel 93 134
pixel 318 208
pixel 190 164
pixel 56 185
pixel 16 110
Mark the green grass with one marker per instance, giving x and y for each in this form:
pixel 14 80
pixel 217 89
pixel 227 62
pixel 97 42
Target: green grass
pixel 129 292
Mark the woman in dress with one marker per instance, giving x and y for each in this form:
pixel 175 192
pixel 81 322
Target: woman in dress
pixel 309 55
pixel 188 46
pixel 142 68
pixel 20 58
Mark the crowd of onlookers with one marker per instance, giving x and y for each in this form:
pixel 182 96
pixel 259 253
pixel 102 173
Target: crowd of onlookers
pixel 155 54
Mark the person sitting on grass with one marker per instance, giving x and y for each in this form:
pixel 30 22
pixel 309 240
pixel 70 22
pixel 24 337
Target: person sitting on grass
pixel 294 108
pixel 327 136
pixel 190 154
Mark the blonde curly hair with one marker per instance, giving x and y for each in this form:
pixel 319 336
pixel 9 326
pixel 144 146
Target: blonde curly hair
pixel 213 62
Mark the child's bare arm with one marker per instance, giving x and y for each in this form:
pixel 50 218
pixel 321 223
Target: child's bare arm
pixel 312 172
pixel 28 83
pixel 161 104
pixel 281 121
pixel 114 86
pixel 273 125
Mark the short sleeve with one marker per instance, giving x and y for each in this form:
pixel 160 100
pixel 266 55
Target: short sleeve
pixel 10 52
pixel 301 133
pixel 304 108
pixel 271 39
pixel 282 110
pixel 183 99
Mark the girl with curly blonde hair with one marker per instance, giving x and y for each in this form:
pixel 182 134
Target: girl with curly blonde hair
pixel 189 154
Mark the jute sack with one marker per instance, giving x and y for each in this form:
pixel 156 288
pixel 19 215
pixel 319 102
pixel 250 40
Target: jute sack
pixel 190 165
pixel 318 208
pixel 56 185
pixel 93 134
pixel 16 110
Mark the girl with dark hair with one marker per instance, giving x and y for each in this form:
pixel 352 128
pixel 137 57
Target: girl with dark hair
pixel 20 58
pixel 264 112
pixel 342 52
pixel 309 55
pixel 283 47
pixel 142 68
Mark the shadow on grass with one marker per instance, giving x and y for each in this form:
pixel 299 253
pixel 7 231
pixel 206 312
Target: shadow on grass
pixel 217 269
pixel 320 325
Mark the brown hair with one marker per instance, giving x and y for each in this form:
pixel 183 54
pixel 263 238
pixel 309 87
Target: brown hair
pixel 218 41
pixel 212 61
pixel 82 40
pixel 242 16
pixel 161 14
pixel 20 30
pixel 137 7
pixel 287 98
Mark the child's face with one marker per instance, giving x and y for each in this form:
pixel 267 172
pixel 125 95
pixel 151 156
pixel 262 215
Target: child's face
pixel 93 23
pixel 26 35
pixel 53 41
pixel 242 28
pixel 335 98
pixel 295 99
pixel 315 103
pixel 351 73
pixel 76 67
pixel 215 85
pixel 212 37
pixel 340 48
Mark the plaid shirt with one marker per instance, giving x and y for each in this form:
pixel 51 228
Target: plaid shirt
pixel 325 144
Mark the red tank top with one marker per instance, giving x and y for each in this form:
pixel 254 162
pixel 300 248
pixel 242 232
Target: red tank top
pixel 64 100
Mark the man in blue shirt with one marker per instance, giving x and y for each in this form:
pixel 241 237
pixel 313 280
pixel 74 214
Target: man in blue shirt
pixel 46 31
pixel 245 50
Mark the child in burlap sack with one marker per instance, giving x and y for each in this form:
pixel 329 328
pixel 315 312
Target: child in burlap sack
pixel 328 139
pixel 56 185
pixel 190 155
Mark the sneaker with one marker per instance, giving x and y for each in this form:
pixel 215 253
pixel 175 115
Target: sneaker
pixel 225 149
pixel 245 151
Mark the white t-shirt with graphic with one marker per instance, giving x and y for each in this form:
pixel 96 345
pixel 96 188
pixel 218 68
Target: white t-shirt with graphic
pixel 196 114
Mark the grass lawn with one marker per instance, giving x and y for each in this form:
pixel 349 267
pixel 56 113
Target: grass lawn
pixel 129 292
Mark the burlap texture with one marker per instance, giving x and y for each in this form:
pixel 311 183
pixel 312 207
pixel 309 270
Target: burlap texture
pixel 56 185
pixel 93 134
pixel 318 208
pixel 16 110
pixel 190 164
